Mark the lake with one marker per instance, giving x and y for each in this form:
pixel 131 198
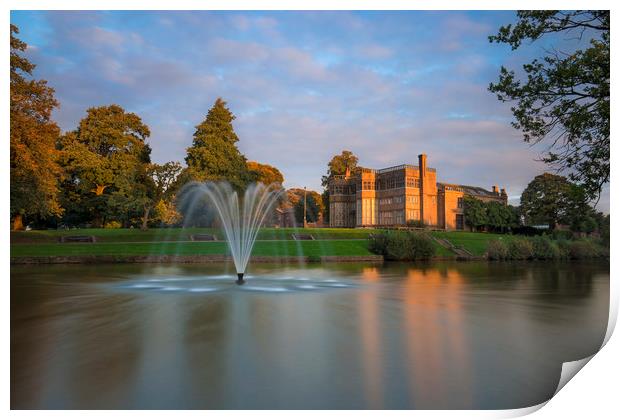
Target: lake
pixel 445 335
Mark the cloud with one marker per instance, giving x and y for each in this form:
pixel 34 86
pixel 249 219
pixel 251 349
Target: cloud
pixel 304 85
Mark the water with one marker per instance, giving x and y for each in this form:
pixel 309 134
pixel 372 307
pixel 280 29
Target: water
pixel 442 335
pixel 240 221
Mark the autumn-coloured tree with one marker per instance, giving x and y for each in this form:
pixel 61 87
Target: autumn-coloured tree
pixel 106 160
pixel 34 170
pixel 264 173
pixel 161 181
pixel 213 155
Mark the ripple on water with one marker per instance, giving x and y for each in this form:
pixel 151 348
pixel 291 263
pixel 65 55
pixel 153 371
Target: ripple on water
pixel 223 283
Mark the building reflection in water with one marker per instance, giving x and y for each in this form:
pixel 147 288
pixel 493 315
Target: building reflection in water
pixel 436 339
pixel 370 336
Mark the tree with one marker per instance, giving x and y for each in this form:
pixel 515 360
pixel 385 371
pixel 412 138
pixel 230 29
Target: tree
pixel 105 160
pixel 34 171
pixel 213 155
pixel 339 164
pixel 475 212
pixel 500 217
pixel 264 173
pixel 553 199
pixel 314 207
pixel 565 99
pixel 161 188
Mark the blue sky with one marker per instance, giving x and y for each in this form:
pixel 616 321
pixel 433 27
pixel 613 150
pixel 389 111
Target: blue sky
pixel 303 85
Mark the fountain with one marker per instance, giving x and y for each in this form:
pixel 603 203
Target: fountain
pixel 241 221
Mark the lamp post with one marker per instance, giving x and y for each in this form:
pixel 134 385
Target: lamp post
pixel 305 222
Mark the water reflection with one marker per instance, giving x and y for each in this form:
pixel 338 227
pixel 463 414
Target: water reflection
pixel 447 335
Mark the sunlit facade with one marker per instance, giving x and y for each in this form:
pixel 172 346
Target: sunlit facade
pixel 393 196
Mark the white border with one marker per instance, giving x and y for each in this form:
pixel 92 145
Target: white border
pixel 593 394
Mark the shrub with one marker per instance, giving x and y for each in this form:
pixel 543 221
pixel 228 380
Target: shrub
pixel 377 243
pixel 497 250
pixel 544 248
pixel 402 246
pixel 562 234
pixel 520 249
pixel 563 248
pixel 113 225
pixel 415 223
pixel 580 250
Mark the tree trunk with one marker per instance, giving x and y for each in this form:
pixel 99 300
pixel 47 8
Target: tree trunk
pixel 145 218
pixel 18 222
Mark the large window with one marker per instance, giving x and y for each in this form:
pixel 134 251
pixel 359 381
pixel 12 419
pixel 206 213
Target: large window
pixel 459 202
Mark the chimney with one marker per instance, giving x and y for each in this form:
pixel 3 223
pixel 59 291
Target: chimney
pixel 422 164
pixel 347 172
pixel 495 190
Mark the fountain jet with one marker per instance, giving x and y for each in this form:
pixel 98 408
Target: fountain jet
pixel 241 221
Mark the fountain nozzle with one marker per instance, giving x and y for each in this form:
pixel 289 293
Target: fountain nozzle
pixel 240 280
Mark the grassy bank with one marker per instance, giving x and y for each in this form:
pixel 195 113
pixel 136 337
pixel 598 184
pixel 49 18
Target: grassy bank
pixel 270 243
pixel 288 248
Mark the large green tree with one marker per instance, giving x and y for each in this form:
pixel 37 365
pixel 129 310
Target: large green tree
pixel 106 160
pixel 314 205
pixel 563 98
pixel 213 155
pixel 35 172
pixel 339 164
pixel 475 213
pixel 553 199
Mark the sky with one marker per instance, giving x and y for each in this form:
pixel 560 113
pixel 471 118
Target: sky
pixel 303 85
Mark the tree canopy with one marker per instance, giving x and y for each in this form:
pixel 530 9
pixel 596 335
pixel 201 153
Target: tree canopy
pixel 213 155
pixel 338 165
pixel 553 199
pixel 475 212
pixel 34 170
pixel 264 173
pixel 314 204
pixel 105 160
pixel 564 99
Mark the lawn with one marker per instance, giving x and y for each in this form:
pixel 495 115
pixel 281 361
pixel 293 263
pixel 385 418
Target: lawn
pixel 474 242
pixel 180 234
pixel 177 241
pixel 261 248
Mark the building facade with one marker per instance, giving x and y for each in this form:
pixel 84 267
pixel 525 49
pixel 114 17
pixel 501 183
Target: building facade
pixel 393 196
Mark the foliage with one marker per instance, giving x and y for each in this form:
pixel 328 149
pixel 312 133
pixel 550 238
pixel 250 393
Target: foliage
pixel 265 174
pixel 34 170
pixel 105 160
pixel 475 212
pixel 113 225
pixel 553 199
pixel 160 189
pixel 584 249
pixel 314 207
pixel 544 248
pixel 520 249
pixel 402 246
pixel 339 164
pixel 415 223
pixel 565 98
pixel 500 217
pixel 213 155
pixel 497 250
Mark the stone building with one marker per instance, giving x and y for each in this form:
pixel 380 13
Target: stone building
pixel 395 195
